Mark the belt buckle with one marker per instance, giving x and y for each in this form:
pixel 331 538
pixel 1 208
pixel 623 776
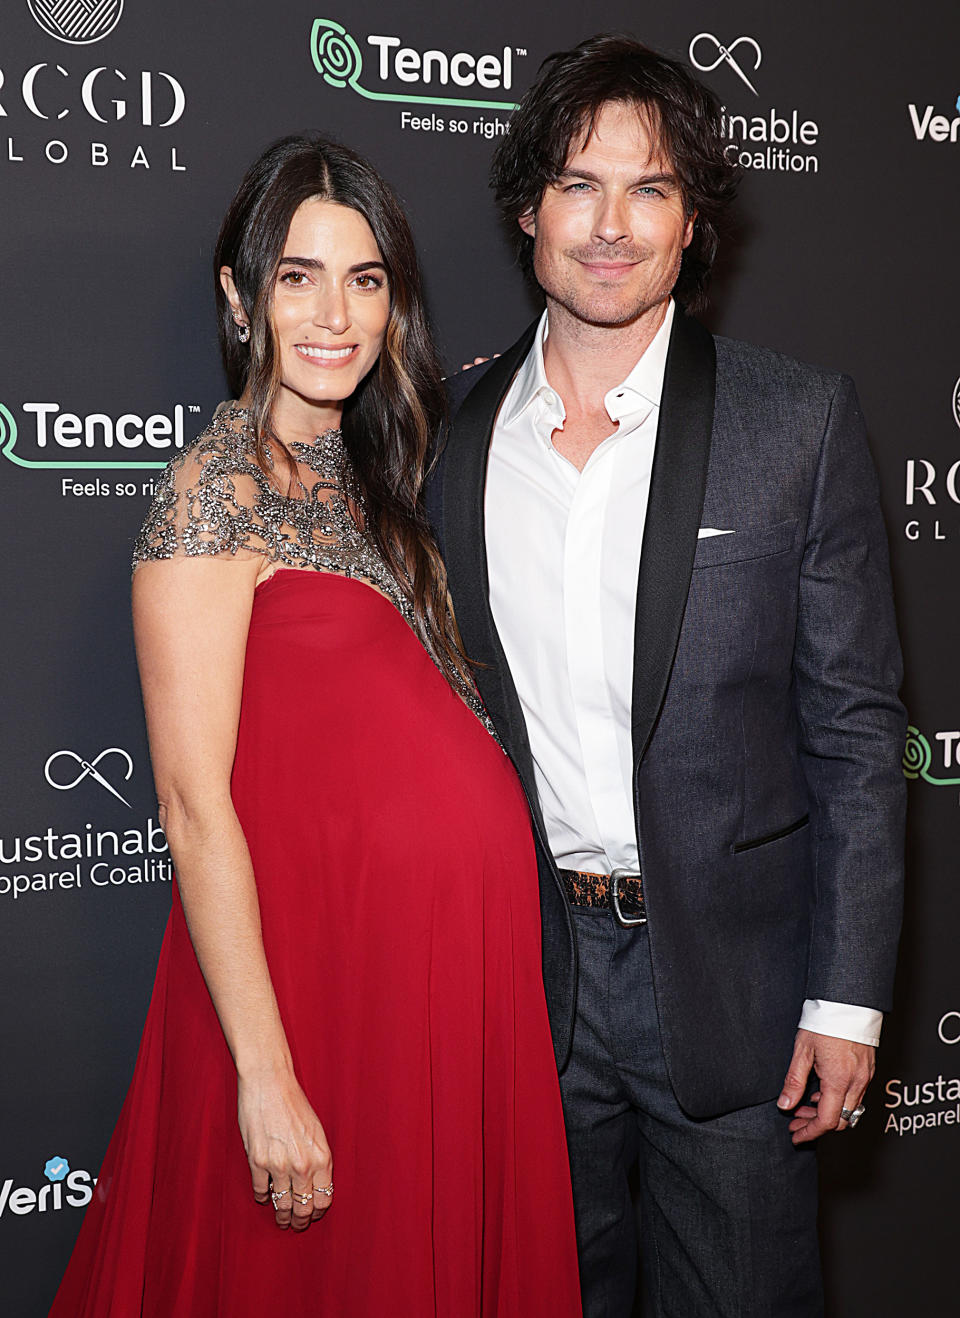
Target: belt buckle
pixel 626 920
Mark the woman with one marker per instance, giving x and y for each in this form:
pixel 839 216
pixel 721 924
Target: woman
pixel 353 855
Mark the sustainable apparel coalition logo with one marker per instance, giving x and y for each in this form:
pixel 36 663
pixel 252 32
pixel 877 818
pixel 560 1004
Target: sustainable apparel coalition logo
pixel 87 768
pixel 78 22
pixel 339 61
pixel 775 140
pixel 708 44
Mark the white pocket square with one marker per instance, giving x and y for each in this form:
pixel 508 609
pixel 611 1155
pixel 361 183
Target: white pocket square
pixel 711 530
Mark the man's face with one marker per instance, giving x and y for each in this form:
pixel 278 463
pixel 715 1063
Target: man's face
pixel 610 232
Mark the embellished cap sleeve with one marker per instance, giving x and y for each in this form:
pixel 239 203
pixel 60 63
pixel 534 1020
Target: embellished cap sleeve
pixel 213 499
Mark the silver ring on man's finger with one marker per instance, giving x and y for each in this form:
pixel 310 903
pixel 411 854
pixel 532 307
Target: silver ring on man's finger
pixel 852 1115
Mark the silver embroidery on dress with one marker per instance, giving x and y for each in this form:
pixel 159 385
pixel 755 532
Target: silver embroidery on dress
pixel 214 498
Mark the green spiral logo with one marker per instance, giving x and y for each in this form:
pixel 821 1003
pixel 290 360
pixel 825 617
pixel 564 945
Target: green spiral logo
pixel 916 754
pixel 917 757
pixel 336 56
pixel 8 433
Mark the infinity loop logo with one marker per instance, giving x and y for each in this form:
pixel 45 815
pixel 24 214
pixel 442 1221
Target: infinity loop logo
pixel 78 22
pixel 88 768
pixel 725 53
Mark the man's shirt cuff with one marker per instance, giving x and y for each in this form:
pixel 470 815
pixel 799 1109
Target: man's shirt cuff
pixel 858 1024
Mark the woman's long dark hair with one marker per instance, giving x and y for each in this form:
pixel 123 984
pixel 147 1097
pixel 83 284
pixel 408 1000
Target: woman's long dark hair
pixel 391 420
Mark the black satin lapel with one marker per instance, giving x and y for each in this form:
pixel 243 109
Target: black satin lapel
pixel 677 485
pixel 464 480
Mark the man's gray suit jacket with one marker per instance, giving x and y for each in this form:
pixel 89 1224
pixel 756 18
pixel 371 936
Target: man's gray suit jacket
pixel 767 731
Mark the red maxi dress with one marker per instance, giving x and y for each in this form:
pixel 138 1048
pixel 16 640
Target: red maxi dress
pixel 398 893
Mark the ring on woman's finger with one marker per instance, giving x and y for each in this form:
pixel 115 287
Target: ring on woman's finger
pixel 303 1198
pixel 277 1195
pixel 324 1189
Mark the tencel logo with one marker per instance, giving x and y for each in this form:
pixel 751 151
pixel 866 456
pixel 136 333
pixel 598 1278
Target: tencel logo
pixel 78 22
pixel 42 435
pixel 338 59
pixel 921 761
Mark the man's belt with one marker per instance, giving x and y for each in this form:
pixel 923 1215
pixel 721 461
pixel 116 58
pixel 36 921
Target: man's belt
pixel 619 892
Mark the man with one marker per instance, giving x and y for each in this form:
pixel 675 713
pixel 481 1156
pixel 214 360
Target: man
pixel 667 559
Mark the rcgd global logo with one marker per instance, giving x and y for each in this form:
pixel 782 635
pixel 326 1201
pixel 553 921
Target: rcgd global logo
pixel 78 22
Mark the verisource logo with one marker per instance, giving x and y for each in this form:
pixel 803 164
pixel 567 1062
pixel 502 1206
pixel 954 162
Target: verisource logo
pixel 930 127
pixel 402 75
pixel 78 22
pixel 66 1187
pixel 773 141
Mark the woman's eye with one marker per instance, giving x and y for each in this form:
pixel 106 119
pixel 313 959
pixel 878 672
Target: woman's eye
pixel 368 281
pixel 295 278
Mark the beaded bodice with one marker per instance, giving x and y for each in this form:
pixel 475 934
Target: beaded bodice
pixel 216 499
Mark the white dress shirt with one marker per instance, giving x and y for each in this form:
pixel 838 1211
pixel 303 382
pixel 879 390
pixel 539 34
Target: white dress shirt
pixel 563 554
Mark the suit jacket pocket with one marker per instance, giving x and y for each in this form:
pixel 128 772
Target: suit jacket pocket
pixel 771 837
pixel 752 542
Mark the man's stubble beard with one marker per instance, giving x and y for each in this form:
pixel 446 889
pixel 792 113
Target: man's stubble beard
pixel 599 310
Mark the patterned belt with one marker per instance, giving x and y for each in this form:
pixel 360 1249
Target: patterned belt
pixel 619 892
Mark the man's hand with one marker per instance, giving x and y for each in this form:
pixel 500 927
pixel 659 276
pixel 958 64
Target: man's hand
pixel 844 1070
pixel 477 361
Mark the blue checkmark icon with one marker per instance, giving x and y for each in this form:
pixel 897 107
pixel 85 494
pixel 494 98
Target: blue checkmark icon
pixel 56 1168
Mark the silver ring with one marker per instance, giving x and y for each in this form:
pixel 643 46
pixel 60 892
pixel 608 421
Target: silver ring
pixel 852 1115
pixel 277 1195
pixel 324 1189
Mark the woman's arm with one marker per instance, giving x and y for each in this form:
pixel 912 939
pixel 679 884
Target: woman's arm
pixel 191 618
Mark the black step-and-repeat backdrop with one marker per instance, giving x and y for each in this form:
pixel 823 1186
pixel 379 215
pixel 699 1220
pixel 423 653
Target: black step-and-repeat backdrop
pixel 124 128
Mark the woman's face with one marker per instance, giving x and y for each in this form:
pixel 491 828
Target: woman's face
pixel 331 304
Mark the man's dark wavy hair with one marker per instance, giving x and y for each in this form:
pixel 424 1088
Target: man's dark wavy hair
pixel 560 110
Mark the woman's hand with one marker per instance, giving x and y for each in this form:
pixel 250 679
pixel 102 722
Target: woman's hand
pixel 290 1159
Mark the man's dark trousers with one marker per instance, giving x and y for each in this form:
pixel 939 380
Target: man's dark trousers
pixel 727 1206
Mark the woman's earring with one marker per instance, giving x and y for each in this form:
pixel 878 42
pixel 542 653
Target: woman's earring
pixel 243 332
